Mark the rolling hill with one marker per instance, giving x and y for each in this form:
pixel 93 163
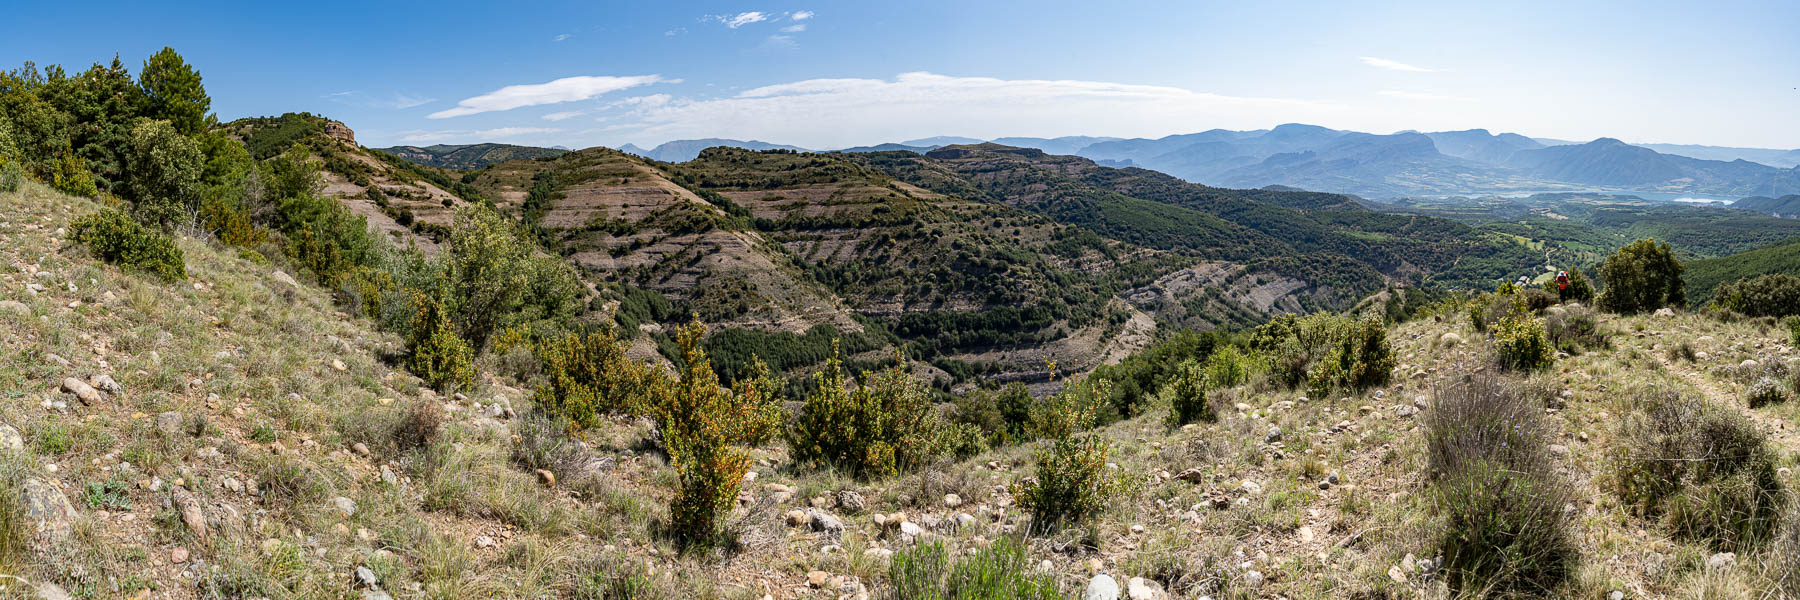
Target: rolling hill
pixel 469 156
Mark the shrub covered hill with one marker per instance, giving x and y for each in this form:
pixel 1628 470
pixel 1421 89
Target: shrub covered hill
pixel 255 360
pixel 972 259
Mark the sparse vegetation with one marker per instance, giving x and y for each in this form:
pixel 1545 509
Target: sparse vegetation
pixel 1002 571
pixel 883 427
pixel 1700 469
pixel 1504 530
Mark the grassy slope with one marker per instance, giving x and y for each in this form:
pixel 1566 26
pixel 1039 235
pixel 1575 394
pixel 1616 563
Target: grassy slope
pixel 424 536
pixel 1704 276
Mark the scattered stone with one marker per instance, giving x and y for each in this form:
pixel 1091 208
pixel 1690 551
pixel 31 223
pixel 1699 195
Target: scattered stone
pixel 82 391
pixel 10 438
pixel 1192 475
pixel 15 307
pixel 58 360
pixel 1251 487
pixel 338 365
pixel 192 513
pixel 1558 449
pixel 51 591
pixel 1101 587
pixel 1616 595
pixel 824 522
pixel 1665 312
pixel 169 422
pixel 1273 436
pixel 851 502
pixel 178 555
pixel 952 500
pixel 796 517
pixel 485 542
pixel 1139 588
pixel 1405 411
pixel 817 579
pixel 1253 578
pixel 546 478
pixel 1721 561
pixel 344 505
pixel 49 512
pixel 388 476
pixel 360 449
pixel 105 383
pixel 1242 407
pixel 1397 574
pixel 365 578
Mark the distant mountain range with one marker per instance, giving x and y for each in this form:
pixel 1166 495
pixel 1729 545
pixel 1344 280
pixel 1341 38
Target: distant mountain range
pixel 1787 207
pixel 1406 163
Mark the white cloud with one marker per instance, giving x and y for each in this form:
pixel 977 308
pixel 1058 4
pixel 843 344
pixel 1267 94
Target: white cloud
pixel 1426 96
pixel 832 113
pixel 779 41
pixel 740 19
pixel 467 135
pixel 797 28
pixel 560 37
pixel 1392 65
pixel 802 15
pixel 397 101
pixel 558 116
pixel 567 89
pixel 675 32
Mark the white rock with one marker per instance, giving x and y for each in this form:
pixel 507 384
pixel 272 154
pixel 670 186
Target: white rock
pixel 1101 587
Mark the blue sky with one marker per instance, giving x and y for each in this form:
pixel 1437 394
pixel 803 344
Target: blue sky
pixel 829 74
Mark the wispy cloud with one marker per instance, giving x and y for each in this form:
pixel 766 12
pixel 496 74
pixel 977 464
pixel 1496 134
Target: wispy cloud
pixel 779 41
pixel 463 135
pixel 568 114
pixel 1392 65
pixel 740 19
pixel 828 113
pixel 795 28
pixel 675 32
pixel 567 89
pixel 801 15
pixel 560 37
pixel 1426 96
pixel 395 101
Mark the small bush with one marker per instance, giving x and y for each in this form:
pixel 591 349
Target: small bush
pixel 709 432
pixel 1521 344
pixel 420 425
pixel 12 176
pixel 883 427
pixel 1774 295
pixel 1703 469
pixel 1793 326
pixel 1002 571
pixel 1505 531
pixel 1764 392
pixel 1574 329
pixel 116 238
pixel 1642 276
pixel 1071 485
pixel 435 353
pixel 1683 351
pixel 1325 351
pixel 587 377
pixel 1186 395
pixel 69 175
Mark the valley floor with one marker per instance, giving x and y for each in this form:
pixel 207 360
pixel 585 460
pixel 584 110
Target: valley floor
pixel 250 449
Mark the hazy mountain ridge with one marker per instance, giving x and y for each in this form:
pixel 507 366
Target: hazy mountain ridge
pixel 467 157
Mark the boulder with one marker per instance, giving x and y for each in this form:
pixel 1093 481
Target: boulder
pixel 82 391
pixel 824 522
pixel 1139 588
pixel 105 383
pixel 1101 587
pixel 48 512
pixel 15 307
pixel 10 439
pixel 851 502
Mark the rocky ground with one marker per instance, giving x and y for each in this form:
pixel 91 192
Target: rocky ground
pixel 235 435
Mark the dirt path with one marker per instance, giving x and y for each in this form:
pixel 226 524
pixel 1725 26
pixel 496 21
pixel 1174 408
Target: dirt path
pixel 1776 427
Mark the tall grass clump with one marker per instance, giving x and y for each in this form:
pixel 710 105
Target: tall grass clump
pixel 1504 531
pixel 1700 468
pixel 1002 571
